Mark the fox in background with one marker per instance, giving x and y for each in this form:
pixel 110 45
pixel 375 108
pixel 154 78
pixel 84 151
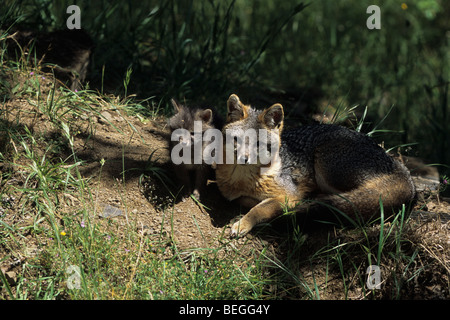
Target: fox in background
pixel 184 118
pixel 336 166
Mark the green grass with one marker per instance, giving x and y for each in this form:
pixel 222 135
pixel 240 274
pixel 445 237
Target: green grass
pixel 339 261
pixel 112 268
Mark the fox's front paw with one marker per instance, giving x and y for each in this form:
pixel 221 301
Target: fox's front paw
pixel 240 228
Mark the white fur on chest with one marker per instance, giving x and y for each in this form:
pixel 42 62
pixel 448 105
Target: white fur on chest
pixel 236 181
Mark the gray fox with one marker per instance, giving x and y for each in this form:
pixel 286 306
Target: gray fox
pixel 184 118
pixel 345 169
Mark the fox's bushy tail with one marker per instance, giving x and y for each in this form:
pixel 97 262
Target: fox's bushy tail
pixel 362 203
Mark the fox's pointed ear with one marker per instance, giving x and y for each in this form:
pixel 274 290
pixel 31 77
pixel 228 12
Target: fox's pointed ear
pixel 273 117
pixel 236 110
pixel 175 105
pixel 206 115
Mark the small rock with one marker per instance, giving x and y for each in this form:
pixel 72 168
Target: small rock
pixel 10 276
pixel 105 117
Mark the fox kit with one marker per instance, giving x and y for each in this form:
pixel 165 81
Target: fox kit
pixel 184 118
pixel 348 170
